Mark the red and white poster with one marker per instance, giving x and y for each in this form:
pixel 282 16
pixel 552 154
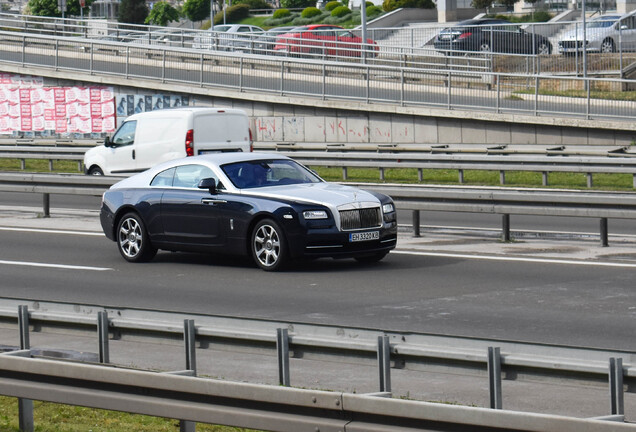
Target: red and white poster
pixel 26 105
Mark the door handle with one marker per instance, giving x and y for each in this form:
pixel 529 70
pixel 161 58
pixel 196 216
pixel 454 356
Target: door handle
pixel 212 201
pixel 133 154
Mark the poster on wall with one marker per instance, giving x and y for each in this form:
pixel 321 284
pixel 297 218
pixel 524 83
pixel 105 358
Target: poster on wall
pixel 26 106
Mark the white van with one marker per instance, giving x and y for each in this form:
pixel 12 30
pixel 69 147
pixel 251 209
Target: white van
pixel 146 139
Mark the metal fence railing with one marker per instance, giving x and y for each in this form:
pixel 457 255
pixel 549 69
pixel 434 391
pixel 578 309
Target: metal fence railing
pixel 534 94
pixel 528 48
pixel 405 350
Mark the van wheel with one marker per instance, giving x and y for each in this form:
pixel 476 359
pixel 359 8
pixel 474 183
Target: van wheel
pixel 96 171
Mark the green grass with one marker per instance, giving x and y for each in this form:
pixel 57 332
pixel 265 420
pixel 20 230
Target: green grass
pixel 50 417
pixel 612 182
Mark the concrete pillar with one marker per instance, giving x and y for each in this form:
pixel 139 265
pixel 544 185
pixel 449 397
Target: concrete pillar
pixel 625 6
pixel 446 11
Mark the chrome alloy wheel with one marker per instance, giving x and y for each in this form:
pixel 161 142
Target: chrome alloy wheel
pixel 130 238
pixel 267 246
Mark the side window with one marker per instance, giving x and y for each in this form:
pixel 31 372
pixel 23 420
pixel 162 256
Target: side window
pixel 125 135
pixel 164 178
pixel 189 176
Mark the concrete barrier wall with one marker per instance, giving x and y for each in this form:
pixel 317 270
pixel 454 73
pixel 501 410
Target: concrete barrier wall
pixel 285 120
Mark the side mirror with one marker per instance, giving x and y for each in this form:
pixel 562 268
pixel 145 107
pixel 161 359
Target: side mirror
pixel 209 184
pixel 107 142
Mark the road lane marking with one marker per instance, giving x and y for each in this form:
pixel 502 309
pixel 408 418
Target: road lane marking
pixel 52 231
pixel 519 259
pixel 58 266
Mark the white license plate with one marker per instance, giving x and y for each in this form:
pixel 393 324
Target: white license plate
pixel 365 236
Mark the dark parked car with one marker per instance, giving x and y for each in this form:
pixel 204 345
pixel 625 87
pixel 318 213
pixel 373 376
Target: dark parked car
pixel 265 206
pixel 490 35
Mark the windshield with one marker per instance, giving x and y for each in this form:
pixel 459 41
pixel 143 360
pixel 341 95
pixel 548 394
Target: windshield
pixel 263 173
pixel 601 23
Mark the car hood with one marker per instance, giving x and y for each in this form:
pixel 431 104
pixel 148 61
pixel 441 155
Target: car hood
pixel 332 195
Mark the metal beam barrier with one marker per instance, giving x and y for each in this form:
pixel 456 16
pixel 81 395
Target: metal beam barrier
pixel 256 406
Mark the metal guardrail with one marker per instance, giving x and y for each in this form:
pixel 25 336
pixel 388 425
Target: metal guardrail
pixel 133 390
pixel 494 200
pixel 395 84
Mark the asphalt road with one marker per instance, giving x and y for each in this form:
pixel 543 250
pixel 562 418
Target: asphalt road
pixel 541 302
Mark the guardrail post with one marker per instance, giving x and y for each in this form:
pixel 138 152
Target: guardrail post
pixel 617 406
pixel 420 175
pixel 416 223
pixel 505 228
pixel 46 205
pixel 102 336
pixel 384 363
pixel 381 174
pixel 544 178
pixel 494 377
pixel 461 176
pixel 604 233
pixel 344 173
pixel 282 349
pixel 189 342
pixel 25 406
pixel 502 177
pixel 590 182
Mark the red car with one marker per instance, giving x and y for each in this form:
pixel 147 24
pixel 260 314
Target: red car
pixel 323 40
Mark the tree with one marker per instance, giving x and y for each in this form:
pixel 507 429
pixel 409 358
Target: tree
pixel 297 4
pixel 132 11
pixel 161 14
pixel 44 8
pixel 481 4
pixel 73 7
pixel 196 10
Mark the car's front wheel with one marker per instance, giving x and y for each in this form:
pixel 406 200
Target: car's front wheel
pixel 485 47
pixel 96 171
pixel 268 245
pixel 607 46
pixel 132 239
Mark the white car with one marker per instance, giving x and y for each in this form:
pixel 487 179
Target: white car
pixel 228 37
pixel 604 34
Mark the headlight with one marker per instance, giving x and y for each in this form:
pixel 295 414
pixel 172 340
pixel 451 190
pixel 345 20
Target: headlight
pixel 388 208
pixel 315 214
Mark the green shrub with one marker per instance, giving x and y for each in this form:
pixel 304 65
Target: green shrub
pixel 340 11
pixel 276 22
pixel 233 14
pixel 391 5
pixel 332 5
pixel 310 12
pixel 339 20
pixel 281 13
pixel 254 4
pixel 297 4
pixel 373 10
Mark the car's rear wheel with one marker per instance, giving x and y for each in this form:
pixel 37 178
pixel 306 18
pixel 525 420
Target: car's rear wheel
pixel 544 48
pixel 268 245
pixel 607 46
pixel 371 258
pixel 132 239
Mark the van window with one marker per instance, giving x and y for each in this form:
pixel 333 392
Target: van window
pixel 125 135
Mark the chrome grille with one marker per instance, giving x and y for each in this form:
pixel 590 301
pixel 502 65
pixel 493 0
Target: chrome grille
pixel 360 218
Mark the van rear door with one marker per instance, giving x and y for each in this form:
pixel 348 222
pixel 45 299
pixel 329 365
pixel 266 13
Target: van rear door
pixel 221 132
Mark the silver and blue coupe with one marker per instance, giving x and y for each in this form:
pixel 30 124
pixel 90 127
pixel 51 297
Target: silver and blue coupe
pixel 266 206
